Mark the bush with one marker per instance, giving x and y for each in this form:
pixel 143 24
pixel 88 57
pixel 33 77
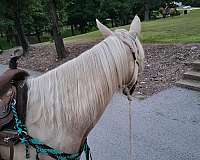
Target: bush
pixel 155 15
pixel 174 12
pixel 4 44
pixel 45 38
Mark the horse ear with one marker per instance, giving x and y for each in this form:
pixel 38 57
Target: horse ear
pixel 135 26
pixel 103 29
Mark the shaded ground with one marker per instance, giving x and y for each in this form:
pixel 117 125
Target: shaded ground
pixel 164 64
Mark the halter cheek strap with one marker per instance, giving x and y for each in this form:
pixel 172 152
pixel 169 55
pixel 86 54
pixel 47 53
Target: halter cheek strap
pixel 135 76
pixel 132 84
pixel 126 39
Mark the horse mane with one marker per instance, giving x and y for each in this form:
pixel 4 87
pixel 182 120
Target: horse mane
pixel 81 88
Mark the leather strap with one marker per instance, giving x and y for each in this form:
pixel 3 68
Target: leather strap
pixel 21 98
pixel 11 152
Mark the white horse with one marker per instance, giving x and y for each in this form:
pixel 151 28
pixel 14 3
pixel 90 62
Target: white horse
pixel 65 104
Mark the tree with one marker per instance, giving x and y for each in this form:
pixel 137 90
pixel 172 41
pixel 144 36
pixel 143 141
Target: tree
pixel 20 28
pixel 12 11
pixel 81 13
pixel 19 18
pixel 147 6
pixel 36 20
pixel 7 30
pixel 195 3
pixel 61 51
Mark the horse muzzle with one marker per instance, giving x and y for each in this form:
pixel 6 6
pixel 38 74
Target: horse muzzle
pixel 128 91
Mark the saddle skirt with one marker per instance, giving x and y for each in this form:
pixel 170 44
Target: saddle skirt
pixel 6 115
pixel 12 85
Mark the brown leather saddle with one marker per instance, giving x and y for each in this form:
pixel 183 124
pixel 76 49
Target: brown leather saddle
pixel 6 115
pixel 12 85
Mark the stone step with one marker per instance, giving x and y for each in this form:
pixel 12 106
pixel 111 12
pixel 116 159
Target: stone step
pixel 196 65
pixel 193 75
pixel 189 84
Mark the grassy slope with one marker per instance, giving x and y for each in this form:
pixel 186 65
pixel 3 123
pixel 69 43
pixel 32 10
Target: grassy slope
pixel 180 29
pixel 88 37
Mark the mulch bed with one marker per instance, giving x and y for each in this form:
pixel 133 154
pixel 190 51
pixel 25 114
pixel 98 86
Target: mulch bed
pixel 164 64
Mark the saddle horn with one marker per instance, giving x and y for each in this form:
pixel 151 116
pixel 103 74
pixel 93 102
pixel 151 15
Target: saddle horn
pixel 13 59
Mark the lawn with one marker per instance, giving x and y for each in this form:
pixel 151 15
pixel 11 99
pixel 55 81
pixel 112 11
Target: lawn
pixel 180 29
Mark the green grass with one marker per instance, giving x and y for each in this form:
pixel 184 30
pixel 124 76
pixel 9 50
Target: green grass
pixel 88 37
pixel 180 29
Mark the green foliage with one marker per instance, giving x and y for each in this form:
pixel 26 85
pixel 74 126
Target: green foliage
pixel 66 32
pixel 74 16
pixel 4 44
pixel 36 17
pixel 194 3
pixel 117 11
pixel 81 13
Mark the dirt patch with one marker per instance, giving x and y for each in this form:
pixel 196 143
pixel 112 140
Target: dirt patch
pixel 164 64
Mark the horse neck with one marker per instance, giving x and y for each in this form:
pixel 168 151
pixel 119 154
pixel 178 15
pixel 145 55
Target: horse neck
pixel 74 95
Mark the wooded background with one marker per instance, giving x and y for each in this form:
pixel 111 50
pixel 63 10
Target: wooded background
pixel 33 21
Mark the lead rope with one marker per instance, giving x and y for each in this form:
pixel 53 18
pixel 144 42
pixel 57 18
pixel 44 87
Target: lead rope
pixel 127 92
pixel 130 132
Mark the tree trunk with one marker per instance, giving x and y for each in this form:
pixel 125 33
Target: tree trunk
pixel 146 11
pixel 20 29
pixel 29 33
pixel 124 22
pixel 112 22
pixel 82 27
pixel 61 52
pixel 7 36
pixel 16 37
pixel 72 29
pixel 38 34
